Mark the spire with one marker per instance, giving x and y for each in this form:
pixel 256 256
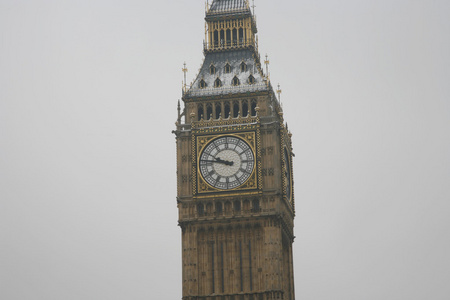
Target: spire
pixel 184 70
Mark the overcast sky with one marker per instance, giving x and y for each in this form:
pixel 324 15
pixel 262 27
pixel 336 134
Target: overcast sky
pixel 88 93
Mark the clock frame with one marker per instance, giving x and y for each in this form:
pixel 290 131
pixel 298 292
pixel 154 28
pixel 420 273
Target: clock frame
pixel 202 186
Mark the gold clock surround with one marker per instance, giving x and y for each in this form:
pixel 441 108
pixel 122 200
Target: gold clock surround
pixel 204 188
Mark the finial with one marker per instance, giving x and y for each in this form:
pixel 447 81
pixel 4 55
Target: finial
pixel 253 6
pixel 279 93
pixel 267 65
pixel 184 71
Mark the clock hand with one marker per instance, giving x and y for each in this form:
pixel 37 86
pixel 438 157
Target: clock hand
pixel 228 163
pixel 219 161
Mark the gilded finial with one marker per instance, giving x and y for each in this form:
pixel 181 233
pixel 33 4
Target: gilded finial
pixel 184 70
pixel 266 62
pixel 279 93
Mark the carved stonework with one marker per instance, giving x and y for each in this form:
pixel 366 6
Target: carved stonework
pixel 234 171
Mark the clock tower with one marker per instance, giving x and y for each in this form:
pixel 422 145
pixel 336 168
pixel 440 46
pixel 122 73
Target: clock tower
pixel 234 169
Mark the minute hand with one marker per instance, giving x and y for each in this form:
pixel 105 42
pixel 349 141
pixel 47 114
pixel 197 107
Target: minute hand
pixel 219 161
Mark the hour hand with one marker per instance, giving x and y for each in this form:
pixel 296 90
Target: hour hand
pixel 217 161
pixel 228 163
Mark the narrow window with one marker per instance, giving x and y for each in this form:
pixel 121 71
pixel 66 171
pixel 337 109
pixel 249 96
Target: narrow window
pixel 228 37
pixel 243 67
pixel 208 111
pixel 245 109
pixel 200 209
pixel 235 81
pixel 235 109
pixel 218 110
pixel 235 37
pixel 227 207
pixel 246 206
pixel 219 208
pixel 203 84
pixel 217 83
pixel 237 205
pixel 216 38
pixel 227 110
pixel 200 112
pixel 255 205
pixel 212 69
pixel 253 108
pixel 241 36
pixel 251 79
pixel 227 68
pixel 209 209
pixel 222 38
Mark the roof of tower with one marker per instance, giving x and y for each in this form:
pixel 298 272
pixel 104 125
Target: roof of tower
pixel 239 64
pixel 228 5
pixel 220 8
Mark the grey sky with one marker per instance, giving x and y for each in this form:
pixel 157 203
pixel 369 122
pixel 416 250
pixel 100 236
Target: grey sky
pixel 88 93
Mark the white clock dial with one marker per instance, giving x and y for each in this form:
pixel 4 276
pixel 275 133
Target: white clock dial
pixel 226 162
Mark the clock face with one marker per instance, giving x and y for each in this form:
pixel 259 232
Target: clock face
pixel 288 175
pixel 226 162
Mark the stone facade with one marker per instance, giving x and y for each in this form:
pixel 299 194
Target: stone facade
pixel 236 242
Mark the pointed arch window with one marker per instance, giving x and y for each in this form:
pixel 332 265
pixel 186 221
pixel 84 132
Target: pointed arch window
pixel 216 38
pixel 245 108
pixel 218 110
pixel 253 107
pixel 235 109
pixel 235 81
pixel 200 112
pixel 243 67
pixel 227 110
pixel 209 111
pixel 251 79
pixel 241 36
pixel 217 83
pixel 203 84
pixel 227 68
pixel 212 69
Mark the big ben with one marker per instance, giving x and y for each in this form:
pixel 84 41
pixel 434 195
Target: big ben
pixel 234 169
